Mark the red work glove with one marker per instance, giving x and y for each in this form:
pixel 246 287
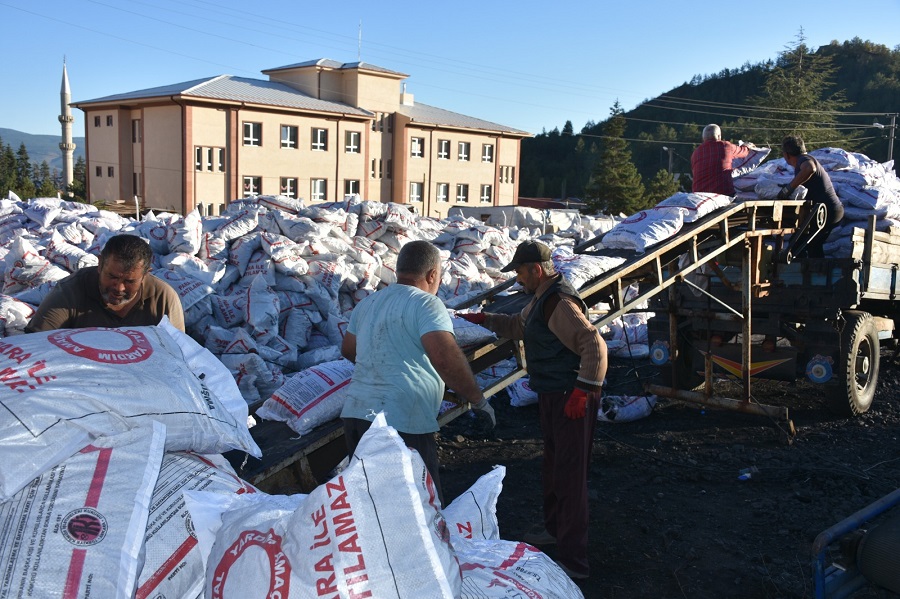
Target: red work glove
pixel 576 405
pixel 475 317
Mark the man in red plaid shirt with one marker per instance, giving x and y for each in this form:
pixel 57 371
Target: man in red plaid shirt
pixel 711 162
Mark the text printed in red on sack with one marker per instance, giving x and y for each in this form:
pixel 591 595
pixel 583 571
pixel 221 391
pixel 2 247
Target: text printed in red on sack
pixel 347 539
pixel 25 375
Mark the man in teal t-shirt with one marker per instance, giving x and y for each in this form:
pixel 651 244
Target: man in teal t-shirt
pixel 401 340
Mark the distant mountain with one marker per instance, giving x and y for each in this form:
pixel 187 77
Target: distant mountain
pixel 40 147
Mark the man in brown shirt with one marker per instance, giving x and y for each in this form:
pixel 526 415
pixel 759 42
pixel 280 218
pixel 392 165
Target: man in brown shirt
pixel 119 292
pixel 566 363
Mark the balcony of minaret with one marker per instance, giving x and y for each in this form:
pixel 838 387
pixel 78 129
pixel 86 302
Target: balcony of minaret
pixel 66 147
pixel 66 118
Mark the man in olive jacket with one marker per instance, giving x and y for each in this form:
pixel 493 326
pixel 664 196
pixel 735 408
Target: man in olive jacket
pixel 118 292
pixel 566 363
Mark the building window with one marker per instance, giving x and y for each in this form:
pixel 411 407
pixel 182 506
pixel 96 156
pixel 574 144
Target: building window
pixel 109 120
pixel 98 171
pixel 136 184
pixel 486 194
pixel 136 134
pixel 110 171
pixel 288 136
pixel 462 192
pixel 320 140
pixel 351 142
pixel 512 174
pixel 198 158
pixel 444 149
pixel 387 169
pixel 289 187
pixel 252 186
pixel 416 147
pixel 252 134
pixel 443 192
pixel 464 151
pixel 209 159
pixel 220 159
pixel 375 121
pixel 487 153
pixel 415 191
pixel 374 167
pixel 390 122
pixel 318 190
pixel 96 121
pixel 351 186
pixel 507 174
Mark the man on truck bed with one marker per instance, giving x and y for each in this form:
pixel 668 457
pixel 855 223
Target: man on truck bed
pixel 401 340
pixel 711 162
pixel 118 292
pixel 810 173
pixel 566 363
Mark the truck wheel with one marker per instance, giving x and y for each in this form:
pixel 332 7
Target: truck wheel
pixel 857 369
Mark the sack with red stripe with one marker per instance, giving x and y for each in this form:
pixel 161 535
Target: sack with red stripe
pixel 76 531
pixel 173 565
pixel 311 397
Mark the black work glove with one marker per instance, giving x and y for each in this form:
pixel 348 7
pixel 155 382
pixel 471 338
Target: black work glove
pixel 785 192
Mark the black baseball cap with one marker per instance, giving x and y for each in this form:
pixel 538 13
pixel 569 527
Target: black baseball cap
pixel 526 253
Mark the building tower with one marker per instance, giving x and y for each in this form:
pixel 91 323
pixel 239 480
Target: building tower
pixel 65 119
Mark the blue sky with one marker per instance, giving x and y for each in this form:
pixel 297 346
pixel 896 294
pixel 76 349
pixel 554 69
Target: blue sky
pixel 526 65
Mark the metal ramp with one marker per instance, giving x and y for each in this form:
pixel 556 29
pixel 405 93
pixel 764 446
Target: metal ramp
pixel 739 227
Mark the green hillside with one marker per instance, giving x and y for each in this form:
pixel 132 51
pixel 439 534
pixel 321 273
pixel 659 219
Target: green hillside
pixel 558 163
pixel 40 147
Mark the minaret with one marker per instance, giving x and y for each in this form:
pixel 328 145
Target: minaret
pixel 65 119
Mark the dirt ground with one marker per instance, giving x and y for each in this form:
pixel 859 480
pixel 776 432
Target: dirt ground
pixel 669 516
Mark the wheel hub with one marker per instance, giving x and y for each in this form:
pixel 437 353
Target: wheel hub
pixel 862 365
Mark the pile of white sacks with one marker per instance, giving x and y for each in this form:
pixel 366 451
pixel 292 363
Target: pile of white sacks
pixel 865 187
pixel 117 494
pixel 269 285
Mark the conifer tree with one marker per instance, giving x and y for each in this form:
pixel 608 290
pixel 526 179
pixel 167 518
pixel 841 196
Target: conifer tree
pixel 24 183
pixel 660 187
pixel 615 186
pixel 79 177
pixel 799 100
pixel 43 181
pixel 7 169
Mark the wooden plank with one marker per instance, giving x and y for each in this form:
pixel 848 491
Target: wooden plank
pixel 884 253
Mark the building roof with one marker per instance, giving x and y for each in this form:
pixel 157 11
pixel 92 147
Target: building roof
pixel 235 89
pixel 431 115
pixel 334 64
pixel 264 92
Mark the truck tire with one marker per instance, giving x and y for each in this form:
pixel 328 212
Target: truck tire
pixel 857 370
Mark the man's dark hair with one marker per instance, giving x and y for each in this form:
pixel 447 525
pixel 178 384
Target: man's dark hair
pixel 130 250
pixel 417 258
pixel 793 145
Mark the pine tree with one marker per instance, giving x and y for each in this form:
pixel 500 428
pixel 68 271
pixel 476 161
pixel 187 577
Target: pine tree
pixel 43 181
pixel 79 177
pixel 660 187
pixel 798 99
pixel 24 183
pixel 7 169
pixel 615 186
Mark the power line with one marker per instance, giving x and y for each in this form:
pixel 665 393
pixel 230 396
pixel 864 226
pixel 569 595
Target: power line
pixel 752 107
pixel 765 119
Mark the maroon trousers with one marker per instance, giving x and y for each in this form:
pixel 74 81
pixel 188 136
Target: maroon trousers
pixel 567 453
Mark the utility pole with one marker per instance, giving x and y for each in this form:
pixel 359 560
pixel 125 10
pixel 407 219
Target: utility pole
pixel 671 160
pixel 891 136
